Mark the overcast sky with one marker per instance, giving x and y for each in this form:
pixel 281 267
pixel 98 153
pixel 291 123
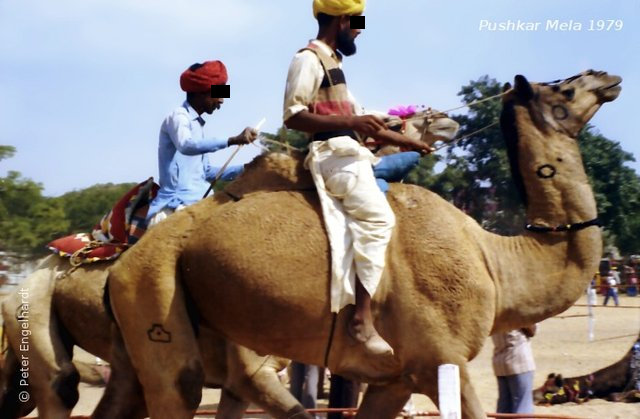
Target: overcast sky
pixel 85 84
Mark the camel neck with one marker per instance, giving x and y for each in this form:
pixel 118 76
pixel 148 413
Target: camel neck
pixel 553 268
pixel 550 163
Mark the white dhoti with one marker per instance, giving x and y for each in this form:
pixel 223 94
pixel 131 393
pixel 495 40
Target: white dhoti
pixel 357 216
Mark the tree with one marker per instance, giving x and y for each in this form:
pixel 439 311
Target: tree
pixel 616 187
pixel 6 151
pixel 29 220
pixel 85 207
pixel 477 177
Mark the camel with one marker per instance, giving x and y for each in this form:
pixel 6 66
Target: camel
pixel 616 382
pixel 257 270
pixel 68 310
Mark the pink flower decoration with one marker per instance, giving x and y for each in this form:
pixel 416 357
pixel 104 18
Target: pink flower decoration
pixel 403 111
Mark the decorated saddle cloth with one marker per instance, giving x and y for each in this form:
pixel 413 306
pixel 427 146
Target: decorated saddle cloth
pixel 119 229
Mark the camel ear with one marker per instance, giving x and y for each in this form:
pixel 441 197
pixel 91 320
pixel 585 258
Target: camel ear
pixel 506 87
pixel 523 88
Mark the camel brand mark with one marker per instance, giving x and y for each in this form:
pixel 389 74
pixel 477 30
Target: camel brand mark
pixel 157 333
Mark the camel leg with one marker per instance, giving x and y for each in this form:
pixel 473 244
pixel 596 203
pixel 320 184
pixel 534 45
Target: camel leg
pixel 123 397
pixel 231 406
pixel 11 407
pixel 34 334
pixel 150 311
pixel 384 402
pixel 255 378
pixel 470 404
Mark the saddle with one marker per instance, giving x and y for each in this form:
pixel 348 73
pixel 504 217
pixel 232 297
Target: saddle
pixel 119 229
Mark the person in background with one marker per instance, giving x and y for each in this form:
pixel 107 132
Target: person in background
pixel 514 368
pixel 304 384
pixel 612 288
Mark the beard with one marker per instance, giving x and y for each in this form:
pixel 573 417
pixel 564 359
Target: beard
pixel 345 43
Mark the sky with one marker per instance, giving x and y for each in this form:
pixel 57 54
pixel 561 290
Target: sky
pixel 85 85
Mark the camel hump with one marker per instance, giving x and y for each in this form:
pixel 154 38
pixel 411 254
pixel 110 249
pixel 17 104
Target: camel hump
pixel 272 172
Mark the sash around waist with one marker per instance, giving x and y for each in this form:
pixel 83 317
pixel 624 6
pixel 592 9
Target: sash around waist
pixel 325 135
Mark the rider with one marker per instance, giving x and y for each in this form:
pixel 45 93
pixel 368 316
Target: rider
pixel 184 166
pixel 317 101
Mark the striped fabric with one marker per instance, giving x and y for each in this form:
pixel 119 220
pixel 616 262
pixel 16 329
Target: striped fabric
pixel 512 354
pixel 117 230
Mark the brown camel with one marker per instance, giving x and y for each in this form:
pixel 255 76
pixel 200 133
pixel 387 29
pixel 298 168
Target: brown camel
pixel 69 311
pixel 616 382
pixel 258 269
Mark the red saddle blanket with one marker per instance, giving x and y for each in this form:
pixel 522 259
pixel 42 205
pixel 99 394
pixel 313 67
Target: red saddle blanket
pixel 119 229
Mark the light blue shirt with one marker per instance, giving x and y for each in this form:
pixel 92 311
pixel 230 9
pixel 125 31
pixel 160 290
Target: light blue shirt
pixel 185 171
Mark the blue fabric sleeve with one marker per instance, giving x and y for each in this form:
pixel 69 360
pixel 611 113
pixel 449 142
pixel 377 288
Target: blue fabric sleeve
pixel 383 185
pixel 394 167
pixel 179 130
pixel 230 173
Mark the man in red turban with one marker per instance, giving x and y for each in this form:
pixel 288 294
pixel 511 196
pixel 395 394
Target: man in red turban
pixel 185 169
pixel 199 77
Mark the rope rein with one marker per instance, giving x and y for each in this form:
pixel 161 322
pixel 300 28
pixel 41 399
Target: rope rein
pixel 415 118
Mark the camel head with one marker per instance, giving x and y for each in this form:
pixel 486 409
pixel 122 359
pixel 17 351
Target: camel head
pixel 427 125
pixel 542 145
pixel 430 126
pixel 552 385
pixel 567 105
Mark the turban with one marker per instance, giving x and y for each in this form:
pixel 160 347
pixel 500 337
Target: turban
pixel 199 77
pixel 338 7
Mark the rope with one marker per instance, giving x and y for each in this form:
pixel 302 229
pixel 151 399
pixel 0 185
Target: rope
pixel 616 337
pixel 283 144
pixel 457 140
pixel 353 411
pixel 468 105
pixel 224 166
pixel 585 305
pixel 570 316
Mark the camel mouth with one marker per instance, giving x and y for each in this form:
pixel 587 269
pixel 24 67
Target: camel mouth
pixel 616 84
pixel 610 92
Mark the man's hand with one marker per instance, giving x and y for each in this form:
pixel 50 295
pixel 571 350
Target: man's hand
pixel 367 125
pixel 248 135
pixel 392 137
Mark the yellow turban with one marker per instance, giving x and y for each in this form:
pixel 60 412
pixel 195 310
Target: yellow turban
pixel 338 7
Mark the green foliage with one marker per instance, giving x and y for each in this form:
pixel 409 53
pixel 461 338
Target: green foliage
pixel 295 139
pixel 616 188
pixel 29 220
pixel 85 207
pixel 477 177
pixel 6 151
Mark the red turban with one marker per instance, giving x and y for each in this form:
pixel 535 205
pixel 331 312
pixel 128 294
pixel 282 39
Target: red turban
pixel 199 77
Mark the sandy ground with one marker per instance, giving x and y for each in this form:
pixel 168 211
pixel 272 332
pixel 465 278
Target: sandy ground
pixel 561 345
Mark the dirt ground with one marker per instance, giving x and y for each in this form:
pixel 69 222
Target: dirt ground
pixel 561 345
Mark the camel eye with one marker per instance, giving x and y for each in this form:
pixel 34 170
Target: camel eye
pixel 569 93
